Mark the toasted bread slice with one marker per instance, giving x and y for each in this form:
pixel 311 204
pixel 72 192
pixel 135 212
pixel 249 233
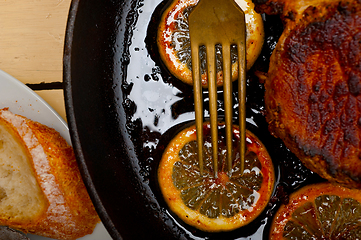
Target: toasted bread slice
pixel 41 190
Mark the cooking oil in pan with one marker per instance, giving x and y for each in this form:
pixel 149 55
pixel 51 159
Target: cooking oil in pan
pixel 158 106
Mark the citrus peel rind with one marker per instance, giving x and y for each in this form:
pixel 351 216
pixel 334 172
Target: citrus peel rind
pixel 211 204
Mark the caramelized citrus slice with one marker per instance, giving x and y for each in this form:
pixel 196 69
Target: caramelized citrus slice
pixel 174 43
pixel 215 204
pixel 320 211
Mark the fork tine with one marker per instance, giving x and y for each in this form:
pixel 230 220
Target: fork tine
pixel 209 24
pixel 212 89
pixel 227 92
pixel 198 101
pixel 241 46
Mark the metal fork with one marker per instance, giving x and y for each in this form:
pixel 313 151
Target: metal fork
pixel 218 22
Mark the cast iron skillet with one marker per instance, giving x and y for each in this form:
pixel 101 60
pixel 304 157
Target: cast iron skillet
pixel 95 59
pixel 101 142
pixel 120 176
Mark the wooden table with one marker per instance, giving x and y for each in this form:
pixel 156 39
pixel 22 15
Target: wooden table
pixel 31 45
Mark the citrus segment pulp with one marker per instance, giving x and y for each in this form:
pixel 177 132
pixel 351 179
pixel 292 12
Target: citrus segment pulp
pixel 215 204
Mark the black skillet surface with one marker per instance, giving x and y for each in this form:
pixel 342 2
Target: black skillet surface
pixel 123 107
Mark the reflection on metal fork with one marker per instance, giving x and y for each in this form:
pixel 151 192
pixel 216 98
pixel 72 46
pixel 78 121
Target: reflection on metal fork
pixel 218 22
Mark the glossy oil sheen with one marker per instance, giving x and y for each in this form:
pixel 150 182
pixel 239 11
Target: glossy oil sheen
pixel 123 107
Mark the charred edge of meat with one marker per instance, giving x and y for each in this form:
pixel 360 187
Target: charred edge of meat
pixel 269 7
pixel 298 46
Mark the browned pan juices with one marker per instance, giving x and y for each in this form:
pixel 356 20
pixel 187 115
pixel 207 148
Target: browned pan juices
pixel 158 106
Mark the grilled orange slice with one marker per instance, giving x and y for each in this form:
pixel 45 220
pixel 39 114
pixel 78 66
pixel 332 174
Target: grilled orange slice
pixel 174 43
pixel 215 204
pixel 319 211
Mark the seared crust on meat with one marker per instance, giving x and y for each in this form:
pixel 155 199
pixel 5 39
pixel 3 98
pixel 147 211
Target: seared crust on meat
pixel 313 87
pixel 289 9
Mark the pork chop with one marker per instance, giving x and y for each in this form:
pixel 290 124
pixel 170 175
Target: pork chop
pixel 313 86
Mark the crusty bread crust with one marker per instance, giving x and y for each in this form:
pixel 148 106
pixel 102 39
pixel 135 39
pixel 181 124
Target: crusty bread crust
pixel 69 213
pixel 21 198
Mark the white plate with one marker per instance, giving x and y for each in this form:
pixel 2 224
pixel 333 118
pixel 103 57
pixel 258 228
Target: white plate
pixel 23 101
